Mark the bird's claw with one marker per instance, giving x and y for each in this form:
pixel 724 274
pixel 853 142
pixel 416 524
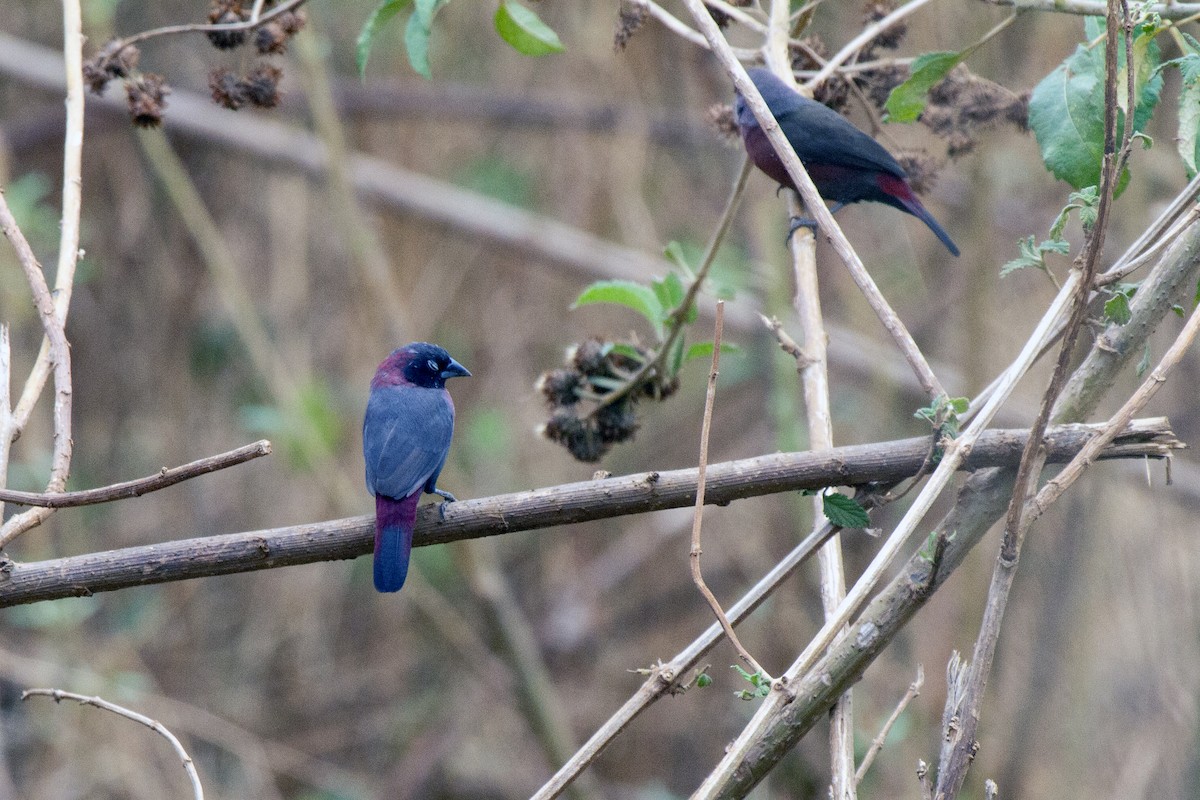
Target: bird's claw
pixel 796 223
pixel 447 498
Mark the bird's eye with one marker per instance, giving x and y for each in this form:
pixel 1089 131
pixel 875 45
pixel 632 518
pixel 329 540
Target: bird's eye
pixel 433 365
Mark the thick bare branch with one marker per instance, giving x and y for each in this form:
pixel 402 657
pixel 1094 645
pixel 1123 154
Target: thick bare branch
pixel 76 576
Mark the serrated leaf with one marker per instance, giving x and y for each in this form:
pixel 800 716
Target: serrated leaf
pixel 1066 109
pixel 906 102
pixel 640 298
pixel 1116 309
pixel 377 19
pixel 958 405
pixel 1187 139
pixel 1066 114
pixel 843 511
pixel 525 31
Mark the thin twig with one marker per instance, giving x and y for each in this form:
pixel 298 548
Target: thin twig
pixel 207 27
pixel 914 689
pixel 676 322
pixel 60 356
pixel 136 488
pixel 59 695
pixel 858 42
pixel 698 516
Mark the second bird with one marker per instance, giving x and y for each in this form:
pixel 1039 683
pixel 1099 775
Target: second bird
pixel 846 164
pixel 406 436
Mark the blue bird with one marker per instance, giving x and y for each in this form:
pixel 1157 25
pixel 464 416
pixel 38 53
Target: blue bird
pixel 406 436
pixel 846 164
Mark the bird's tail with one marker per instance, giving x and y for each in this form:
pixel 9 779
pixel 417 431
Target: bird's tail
pixel 393 540
pixel 903 198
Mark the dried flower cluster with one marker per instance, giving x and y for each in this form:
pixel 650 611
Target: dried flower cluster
pixel 631 16
pixel 146 92
pixel 592 369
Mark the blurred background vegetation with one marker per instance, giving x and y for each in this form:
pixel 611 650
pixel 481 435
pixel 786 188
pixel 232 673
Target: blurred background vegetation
pixel 305 683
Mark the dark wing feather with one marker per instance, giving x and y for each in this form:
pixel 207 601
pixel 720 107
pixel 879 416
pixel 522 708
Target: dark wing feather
pixel 406 435
pixel 820 135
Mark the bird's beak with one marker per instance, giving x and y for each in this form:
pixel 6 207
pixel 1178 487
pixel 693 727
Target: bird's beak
pixel 455 370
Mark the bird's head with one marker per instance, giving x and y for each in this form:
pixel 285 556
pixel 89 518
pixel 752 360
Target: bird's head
pixel 418 364
pixel 774 91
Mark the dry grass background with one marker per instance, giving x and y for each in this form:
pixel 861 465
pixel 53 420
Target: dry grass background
pixel 304 683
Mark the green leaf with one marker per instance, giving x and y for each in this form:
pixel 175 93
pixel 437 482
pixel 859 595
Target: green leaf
pixel 627 350
pixel 525 31
pixel 1034 255
pixel 674 252
pixel 704 350
pixel 1144 364
pixel 426 9
pixel 1066 114
pixel 371 28
pixel 843 511
pixel 907 101
pixel 669 291
pixel 703 680
pixel 676 355
pixel 1085 202
pixel 1116 309
pixel 1187 139
pixel 640 298
pixel 1066 109
pixel 416 40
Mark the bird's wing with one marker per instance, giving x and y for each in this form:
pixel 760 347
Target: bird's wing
pixel 406 434
pixel 821 135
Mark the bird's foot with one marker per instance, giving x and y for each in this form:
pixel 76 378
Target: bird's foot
pixel 796 223
pixel 447 498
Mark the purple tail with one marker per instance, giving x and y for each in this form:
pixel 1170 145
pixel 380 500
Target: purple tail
pixel 902 197
pixel 393 540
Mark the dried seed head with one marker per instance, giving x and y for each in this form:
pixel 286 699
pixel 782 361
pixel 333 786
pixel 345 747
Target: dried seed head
pixel 262 86
pixel 580 436
pixel 147 98
pixel 724 122
pixel 113 61
pixel 271 38
pixel 616 423
pixel 588 356
pixel 560 387
pixel 226 89
pixel 630 17
pixel 803 53
pixel 226 12
pixel 922 169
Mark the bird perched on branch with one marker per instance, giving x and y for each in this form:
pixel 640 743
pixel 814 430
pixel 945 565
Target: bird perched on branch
pixel 846 164
pixel 406 436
